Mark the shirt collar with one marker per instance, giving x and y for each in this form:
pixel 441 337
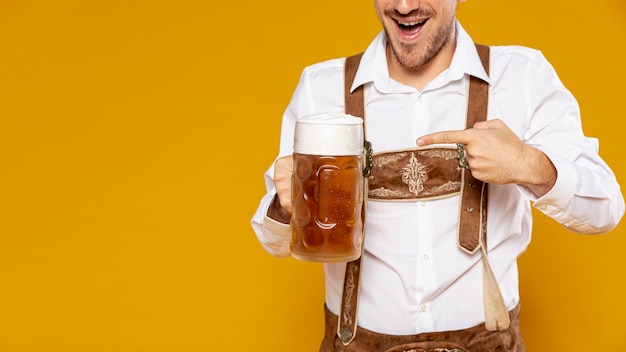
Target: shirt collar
pixel 373 66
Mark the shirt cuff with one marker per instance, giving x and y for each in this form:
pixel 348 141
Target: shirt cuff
pixel 276 225
pixel 561 194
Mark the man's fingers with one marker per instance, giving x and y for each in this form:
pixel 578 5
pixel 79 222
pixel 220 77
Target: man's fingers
pixel 462 136
pixel 444 137
pixel 485 125
pixel 283 169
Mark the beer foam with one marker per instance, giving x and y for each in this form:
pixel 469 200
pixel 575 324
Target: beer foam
pixel 329 134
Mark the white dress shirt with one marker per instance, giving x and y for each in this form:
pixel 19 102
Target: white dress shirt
pixel 415 278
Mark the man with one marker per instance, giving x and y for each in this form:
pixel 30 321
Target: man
pixel 418 289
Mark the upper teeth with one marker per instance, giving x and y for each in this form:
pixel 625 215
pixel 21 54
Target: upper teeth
pixel 411 23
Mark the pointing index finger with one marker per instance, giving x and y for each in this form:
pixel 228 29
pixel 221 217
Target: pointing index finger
pixel 444 137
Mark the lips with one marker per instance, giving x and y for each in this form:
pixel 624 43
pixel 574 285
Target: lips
pixel 410 29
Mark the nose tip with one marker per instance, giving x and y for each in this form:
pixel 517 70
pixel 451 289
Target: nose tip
pixel 407 6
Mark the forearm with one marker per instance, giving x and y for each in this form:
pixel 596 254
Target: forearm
pixel 585 198
pixel 539 173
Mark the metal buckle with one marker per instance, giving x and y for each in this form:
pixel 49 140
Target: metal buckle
pixel 460 154
pixel 367 169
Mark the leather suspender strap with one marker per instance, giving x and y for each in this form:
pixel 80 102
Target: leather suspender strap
pixel 346 325
pixel 354 101
pixel 474 215
pixel 474 195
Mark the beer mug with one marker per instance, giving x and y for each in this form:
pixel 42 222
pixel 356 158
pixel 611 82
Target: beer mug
pixel 327 188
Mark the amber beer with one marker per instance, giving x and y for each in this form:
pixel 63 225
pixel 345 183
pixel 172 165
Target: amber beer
pixel 327 188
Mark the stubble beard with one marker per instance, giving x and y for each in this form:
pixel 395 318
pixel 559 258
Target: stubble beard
pixel 414 58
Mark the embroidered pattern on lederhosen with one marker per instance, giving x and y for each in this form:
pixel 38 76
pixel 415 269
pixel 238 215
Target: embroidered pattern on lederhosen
pixel 428 173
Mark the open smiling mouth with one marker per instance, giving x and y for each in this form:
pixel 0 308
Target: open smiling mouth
pixel 410 28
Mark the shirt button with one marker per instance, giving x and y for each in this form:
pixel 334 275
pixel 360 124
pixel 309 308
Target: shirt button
pixel 543 207
pixel 419 99
pixel 424 308
pixel 426 257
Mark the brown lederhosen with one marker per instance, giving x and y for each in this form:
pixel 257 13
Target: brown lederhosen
pixel 475 339
pixel 501 329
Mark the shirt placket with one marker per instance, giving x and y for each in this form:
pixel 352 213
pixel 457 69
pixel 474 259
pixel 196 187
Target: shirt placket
pixel 424 251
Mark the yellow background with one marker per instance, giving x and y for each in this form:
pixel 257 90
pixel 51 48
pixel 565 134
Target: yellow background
pixel 133 138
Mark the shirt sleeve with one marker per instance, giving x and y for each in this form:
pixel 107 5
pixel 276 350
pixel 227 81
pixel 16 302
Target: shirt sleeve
pixel 586 197
pixel 320 89
pixel 274 234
